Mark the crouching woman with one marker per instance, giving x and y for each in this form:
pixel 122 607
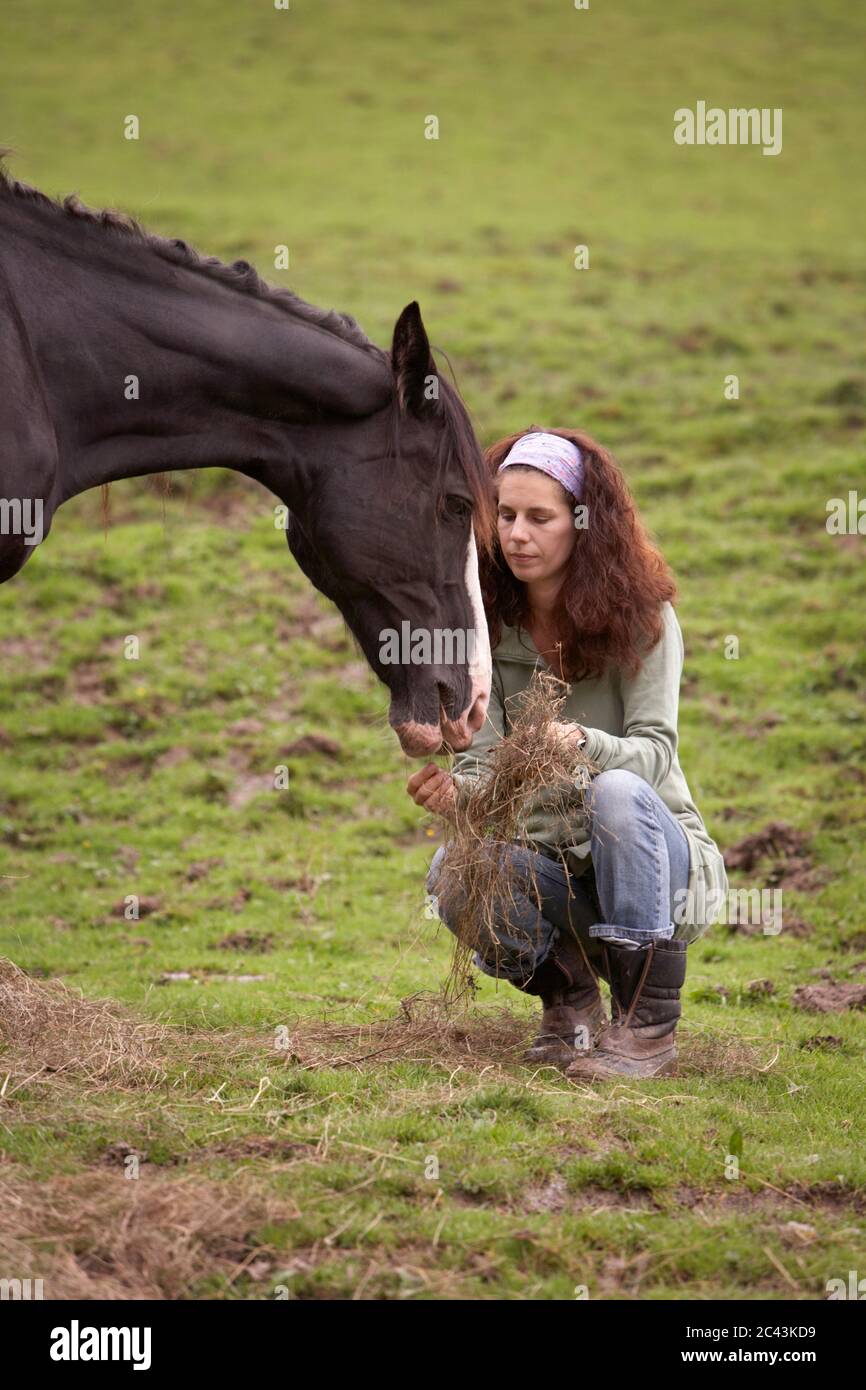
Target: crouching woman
pixel 576 585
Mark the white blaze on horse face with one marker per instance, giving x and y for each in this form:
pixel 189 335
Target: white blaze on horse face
pixel 480 665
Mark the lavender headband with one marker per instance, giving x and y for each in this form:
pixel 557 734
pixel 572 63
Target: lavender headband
pixel 557 457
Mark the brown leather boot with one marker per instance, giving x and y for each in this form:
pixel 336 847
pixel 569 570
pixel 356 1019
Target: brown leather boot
pixel 645 994
pixel 573 1013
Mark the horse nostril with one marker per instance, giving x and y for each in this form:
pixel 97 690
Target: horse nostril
pixel 446 700
pixel 478 713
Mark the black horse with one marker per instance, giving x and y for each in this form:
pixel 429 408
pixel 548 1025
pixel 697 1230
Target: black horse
pixel 123 354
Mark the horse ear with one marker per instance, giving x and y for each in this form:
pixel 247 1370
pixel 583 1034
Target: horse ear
pixel 414 369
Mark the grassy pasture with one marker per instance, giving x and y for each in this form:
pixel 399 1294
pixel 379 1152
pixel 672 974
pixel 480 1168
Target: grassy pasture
pixel 302 1126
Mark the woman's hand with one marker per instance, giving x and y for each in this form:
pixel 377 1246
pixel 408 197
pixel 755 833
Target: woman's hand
pixel 433 789
pixel 570 734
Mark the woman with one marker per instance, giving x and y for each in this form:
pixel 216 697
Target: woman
pixel 576 584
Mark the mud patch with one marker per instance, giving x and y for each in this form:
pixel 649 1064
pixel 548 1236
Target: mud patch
pixel 30 654
pixel 786 849
pixel 791 926
pixel 246 728
pixel 171 757
pixel 247 788
pixel 555 1196
pixel 116 1154
pixel 257 1146
pixel 827 1199
pixel 830 1199
pixel 92 684
pixel 246 941
pixel 312 745
pixel 146 907
pixel 829 998
pixel 200 868
pixel 305 883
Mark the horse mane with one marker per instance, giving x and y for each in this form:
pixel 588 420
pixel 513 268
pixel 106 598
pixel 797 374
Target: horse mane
pixel 240 274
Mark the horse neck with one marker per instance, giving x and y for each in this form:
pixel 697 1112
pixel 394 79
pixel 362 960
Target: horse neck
pixel 153 367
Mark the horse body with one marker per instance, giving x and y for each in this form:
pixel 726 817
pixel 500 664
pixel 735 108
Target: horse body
pixel 122 354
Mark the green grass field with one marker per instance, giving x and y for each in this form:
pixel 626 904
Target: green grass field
pixel 298 1129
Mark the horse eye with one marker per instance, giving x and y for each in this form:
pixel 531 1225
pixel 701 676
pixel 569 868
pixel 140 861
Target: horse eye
pixel 460 508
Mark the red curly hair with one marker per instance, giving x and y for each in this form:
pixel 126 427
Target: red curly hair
pixel 609 607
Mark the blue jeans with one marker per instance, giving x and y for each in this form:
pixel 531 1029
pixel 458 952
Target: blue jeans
pixel 639 862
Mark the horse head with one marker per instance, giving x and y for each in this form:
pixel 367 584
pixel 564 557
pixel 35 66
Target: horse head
pixel 390 532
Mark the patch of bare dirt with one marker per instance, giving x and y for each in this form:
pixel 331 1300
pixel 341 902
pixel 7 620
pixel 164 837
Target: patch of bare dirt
pixel 829 1198
pixel 255 1146
pixel 760 988
pixel 355 674
pixel 829 998
pixel 116 1154
pixel 849 542
pixel 763 724
pixel 258 944
pixel 786 849
pixel 305 883
pixel 554 1195
pixel 243 728
pixel 308 619
pixel 316 745
pixel 171 757
pixel 247 787
pixel 200 868
pixel 91 683
pixel 240 899
pixel 791 926
pixel 146 906
pixel 821 1198
pixel 30 654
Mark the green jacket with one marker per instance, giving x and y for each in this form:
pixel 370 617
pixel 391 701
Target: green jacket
pixel 629 723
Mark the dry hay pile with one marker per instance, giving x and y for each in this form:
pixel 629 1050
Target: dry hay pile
pixel 91 1235
pixel 479 882
pixel 49 1031
pixel 429 1028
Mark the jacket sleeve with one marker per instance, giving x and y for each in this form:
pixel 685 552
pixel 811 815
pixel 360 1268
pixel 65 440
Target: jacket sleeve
pixel 650 700
pixel 475 761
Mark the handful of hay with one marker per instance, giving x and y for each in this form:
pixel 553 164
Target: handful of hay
pixel 478 882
